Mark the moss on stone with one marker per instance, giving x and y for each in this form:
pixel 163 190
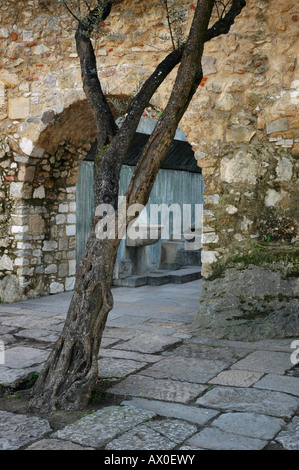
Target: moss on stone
pixel 286 261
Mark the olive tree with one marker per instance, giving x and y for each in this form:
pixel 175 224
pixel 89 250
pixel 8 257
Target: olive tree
pixel 71 370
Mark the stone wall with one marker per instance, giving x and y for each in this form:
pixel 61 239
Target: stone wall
pixel 242 124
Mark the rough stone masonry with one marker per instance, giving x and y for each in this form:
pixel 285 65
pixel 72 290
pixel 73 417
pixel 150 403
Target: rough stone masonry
pixel 242 125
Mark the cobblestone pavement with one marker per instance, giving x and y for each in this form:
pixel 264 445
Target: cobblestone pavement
pixel 168 389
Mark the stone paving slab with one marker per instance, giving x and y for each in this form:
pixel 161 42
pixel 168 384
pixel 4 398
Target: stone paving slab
pixel 18 430
pixel 13 378
pixel 265 361
pixel 174 429
pixel 150 344
pixel 123 334
pixel 4 330
pixel 117 368
pixel 290 437
pixel 134 356
pixel 155 330
pixel 108 342
pixel 197 393
pixel 211 352
pixel 186 369
pixel 38 335
pixel 279 383
pixel 249 424
pixel 20 357
pixel 162 435
pixel 7 339
pixel 250 400
pixel 142 437
pixel 96 429
pixel 160 389
pixel 199 416
pixel 22 321
pixel 283 345
pixel 236 378
pixel 126 321
pixel 56 444
pixel 216 439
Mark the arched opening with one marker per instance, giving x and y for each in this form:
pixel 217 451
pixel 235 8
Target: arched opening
pixel 50 239
pixel 172 252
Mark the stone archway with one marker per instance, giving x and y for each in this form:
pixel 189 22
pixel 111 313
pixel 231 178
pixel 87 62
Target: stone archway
pixel 42 243
pixel 43 251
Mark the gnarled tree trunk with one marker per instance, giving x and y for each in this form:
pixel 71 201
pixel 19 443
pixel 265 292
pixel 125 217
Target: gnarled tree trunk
pixel 71 371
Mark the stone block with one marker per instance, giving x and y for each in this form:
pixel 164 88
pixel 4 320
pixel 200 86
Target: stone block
pixel 72 267
pixel 39 193
pixel 63 270
pixel 209 257
pixel 52 269
pixel 209 65
pixel 226 102
pixel 6 263
pixel 209 238
pixel 26 173
pixel 56 287
pixel 36 224
pixel 49 245
pixel 239 134
pixel 27 147
pixel 63 208
pixel 70 283
pixel 70 230
pixel 16 190
pixel 284 169
pixel 242 168
pixel 279 125
pixel 60 219
pixel 18 108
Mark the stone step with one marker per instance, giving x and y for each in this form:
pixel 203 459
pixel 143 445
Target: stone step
pixel 184 275
pixel 158 279
pixel 131 281
pixel 161 277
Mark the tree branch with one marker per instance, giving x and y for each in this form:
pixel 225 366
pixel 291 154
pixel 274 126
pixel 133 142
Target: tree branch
pixel 91 84
pixel 223 25
pixel 188 78
pixel 151 85
pixel 187 81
